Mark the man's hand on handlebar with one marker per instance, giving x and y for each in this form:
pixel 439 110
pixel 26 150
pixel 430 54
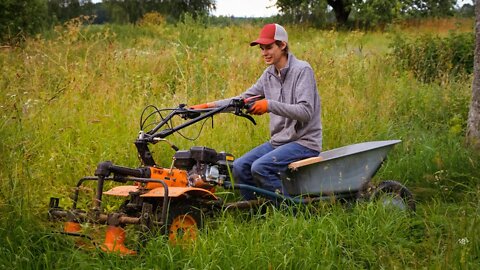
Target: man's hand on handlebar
pixel 258 107
pixel 193 111
pixel 203 106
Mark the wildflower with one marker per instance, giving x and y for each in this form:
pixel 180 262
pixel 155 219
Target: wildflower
pixel 463 241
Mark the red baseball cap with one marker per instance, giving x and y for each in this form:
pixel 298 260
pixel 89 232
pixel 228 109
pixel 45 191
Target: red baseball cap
pixel 270 33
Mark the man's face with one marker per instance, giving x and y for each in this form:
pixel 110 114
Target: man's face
pixel 271 53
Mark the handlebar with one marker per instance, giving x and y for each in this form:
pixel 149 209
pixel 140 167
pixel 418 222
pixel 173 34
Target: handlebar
pixel 237 106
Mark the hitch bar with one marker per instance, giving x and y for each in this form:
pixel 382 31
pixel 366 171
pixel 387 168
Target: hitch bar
pixel 92 217
pixel 96 215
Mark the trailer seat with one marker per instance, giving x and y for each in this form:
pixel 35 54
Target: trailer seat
pixel 304 162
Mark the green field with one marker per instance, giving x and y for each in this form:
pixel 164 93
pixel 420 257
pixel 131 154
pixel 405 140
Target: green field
pixel 73 98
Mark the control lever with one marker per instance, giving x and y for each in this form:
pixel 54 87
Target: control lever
pixel 240 104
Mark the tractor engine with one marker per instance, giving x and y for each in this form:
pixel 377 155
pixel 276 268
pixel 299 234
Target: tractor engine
pixel 205 167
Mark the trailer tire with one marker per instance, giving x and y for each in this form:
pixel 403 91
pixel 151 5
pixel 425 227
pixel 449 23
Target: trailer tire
pixel 392 193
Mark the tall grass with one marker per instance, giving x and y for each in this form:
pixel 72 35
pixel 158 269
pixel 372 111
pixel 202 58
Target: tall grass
pixel 73 99
pixel 441 26
pixel 329 237
pixel 432 58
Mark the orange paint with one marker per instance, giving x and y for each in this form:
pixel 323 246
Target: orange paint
pixel 72 227
pixel 172 177
pixel 114 241
pixel 122 191
pixel 183 229
pixel 178 191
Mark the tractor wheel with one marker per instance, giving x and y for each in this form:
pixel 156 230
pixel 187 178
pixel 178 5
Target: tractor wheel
pixel 184 222
pixel 393 194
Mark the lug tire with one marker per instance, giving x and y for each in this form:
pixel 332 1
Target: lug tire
pixel 392 193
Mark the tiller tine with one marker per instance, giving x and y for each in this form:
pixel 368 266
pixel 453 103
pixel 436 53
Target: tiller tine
pixel 114 241
pixel 72 227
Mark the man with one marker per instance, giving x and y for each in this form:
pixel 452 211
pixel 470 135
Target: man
pixel 292 99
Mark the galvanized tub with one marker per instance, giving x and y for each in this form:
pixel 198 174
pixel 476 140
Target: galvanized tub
pixel 341 170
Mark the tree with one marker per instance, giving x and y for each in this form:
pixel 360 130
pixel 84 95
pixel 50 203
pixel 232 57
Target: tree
pixel 377 12
pixel 177 8
pixel 367 12
pixel 467 10
pixel 133 10
pixel 430 8
pixel 473 122
pixel 125 11
pixel 22 17
pixel 300 11
pixel 313 11
pixel 64 10
pixel 342 9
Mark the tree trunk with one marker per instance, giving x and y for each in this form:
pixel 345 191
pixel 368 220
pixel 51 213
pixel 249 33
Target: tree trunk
pixel 342 9
pixel 473 124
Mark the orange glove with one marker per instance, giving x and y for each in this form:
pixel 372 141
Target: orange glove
pixel 203 106
pixel 259 107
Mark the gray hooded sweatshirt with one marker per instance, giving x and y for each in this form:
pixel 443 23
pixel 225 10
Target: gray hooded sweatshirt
pixel 293 104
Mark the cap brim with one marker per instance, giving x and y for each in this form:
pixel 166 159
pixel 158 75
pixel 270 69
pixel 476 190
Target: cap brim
pixel 262 41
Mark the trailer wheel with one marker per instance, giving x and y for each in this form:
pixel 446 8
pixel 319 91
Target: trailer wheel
pixel 184 222
pixel 393 194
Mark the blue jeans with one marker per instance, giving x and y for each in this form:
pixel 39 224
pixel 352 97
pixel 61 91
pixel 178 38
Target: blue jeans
pixel 263 165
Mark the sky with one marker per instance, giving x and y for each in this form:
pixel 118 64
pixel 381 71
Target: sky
pixel 461 2
pixel 245 8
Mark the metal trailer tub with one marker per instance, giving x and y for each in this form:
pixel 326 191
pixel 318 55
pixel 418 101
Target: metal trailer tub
pixel 341 170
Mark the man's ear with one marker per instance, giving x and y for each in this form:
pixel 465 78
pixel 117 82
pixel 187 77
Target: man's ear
pixel 284 45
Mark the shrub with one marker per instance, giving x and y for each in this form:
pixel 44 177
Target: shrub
pixel 152 18
pixel 22 18
pixel 432 58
